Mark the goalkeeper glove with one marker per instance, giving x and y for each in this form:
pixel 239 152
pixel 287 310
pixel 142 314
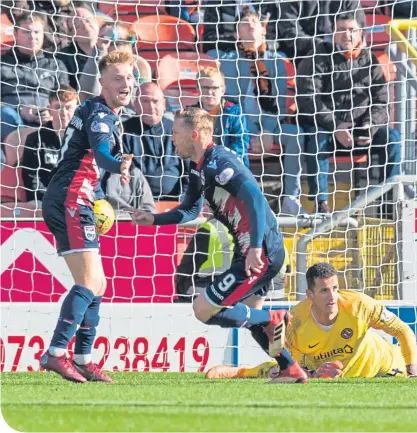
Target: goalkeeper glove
pixel 329 370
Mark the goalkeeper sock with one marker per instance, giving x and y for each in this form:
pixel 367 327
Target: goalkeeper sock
pixel 240 316
pixel 71 315
pixel 86 333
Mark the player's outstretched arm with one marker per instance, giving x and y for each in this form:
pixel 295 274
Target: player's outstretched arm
pixel 392 325
pixel 187 211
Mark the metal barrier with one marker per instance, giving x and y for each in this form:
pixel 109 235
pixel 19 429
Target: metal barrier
pixel 373 193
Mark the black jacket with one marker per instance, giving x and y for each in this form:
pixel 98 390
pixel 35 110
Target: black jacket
pixel 156 157
pixel 332 89
pixel 303 23
pixel 75 59
pixel 220 20
pixel 40 156
pixel 28 80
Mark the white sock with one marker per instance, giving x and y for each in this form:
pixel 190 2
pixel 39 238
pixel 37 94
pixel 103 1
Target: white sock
pixel 82 359
pixel 57 351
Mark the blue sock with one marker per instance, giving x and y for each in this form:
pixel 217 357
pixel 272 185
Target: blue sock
pixel 284 359
pixel 86 333
pixel 240 316
pixel 72 313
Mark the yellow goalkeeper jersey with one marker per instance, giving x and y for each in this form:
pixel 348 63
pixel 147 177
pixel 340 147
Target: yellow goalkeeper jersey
pixel 363 353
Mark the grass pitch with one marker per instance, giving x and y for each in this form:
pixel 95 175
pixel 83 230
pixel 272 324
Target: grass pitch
pixel 187 402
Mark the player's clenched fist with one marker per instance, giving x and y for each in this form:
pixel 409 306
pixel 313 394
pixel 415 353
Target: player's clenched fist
pixel 142 218
pixel 125 168
pixel 329 370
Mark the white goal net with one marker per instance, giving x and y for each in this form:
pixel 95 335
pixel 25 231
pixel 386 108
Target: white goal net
pixel 323 112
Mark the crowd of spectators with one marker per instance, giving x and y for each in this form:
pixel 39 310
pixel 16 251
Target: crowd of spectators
pixel 341 93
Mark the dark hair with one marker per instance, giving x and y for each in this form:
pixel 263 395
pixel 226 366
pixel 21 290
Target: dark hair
pixel 28 16
pixel 357 15
pixel 319 271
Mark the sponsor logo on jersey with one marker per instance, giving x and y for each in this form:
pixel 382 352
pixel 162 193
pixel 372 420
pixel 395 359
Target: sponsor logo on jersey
pixel 203 178
pixel 347 333
pixel 225 176
pixel 386 316
pixel 216 293
pixel 90 232
pixel 77 123
pixel 100 127
pixel 334 352
pixel 103 115
pixel 197 173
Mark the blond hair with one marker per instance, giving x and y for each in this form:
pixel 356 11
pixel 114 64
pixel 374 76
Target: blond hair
pixel 196 118
pixel 212 73
pixel 115 58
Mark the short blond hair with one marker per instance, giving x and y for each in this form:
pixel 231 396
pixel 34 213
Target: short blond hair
pixel 115 58
pixel 212 73
pixel 196 118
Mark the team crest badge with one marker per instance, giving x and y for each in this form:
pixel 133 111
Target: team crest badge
pixel 90 232
pixel 225 176
pixel 100 127
pixel 347 333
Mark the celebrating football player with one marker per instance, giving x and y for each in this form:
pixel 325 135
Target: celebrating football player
pixel 92 139
pixel 330 335
pixel 235 298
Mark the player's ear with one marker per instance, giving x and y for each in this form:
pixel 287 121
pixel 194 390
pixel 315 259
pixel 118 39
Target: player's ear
pixel 309 294
pixel 194 134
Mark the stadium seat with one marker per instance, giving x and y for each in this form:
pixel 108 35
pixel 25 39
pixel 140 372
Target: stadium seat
pixel 376 36
pixel 6 34
pixel 165 206
pixel 176 75
pixel 12 189
pixel 160 35
pixel 130 10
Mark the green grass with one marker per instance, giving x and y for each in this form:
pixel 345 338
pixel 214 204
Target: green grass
pixel 187 402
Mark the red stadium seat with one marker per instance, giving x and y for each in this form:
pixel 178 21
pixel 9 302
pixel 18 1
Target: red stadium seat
pixel 176 75
pixel 130 10
pixel 164 33
pixel 376 36
pixel 182 67
pixel 6 34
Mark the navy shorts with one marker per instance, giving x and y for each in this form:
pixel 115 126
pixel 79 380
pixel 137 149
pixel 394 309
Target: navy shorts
pixel 72 225
pixel 233 285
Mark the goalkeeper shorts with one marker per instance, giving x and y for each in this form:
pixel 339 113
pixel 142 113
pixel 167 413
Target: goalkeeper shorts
pixel 233 285
pixel 72 225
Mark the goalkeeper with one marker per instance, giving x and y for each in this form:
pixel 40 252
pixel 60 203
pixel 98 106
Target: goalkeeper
pixel 330 335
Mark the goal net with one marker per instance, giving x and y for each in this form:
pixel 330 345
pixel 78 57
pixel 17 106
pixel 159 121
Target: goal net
pixel 354 209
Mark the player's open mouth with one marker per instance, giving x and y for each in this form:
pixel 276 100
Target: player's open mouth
pixel 124 94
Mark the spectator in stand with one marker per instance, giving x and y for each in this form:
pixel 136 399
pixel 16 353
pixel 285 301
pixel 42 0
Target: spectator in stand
pixel 187 10
pixel 149 138
pixel 85 34
pixel 55 12
pixel 230 127
pixel 221 18
pixel 342 91
pixel 304 24
pixel 28 75
pixel 113 36
pixel 41 149
pixel 256 78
